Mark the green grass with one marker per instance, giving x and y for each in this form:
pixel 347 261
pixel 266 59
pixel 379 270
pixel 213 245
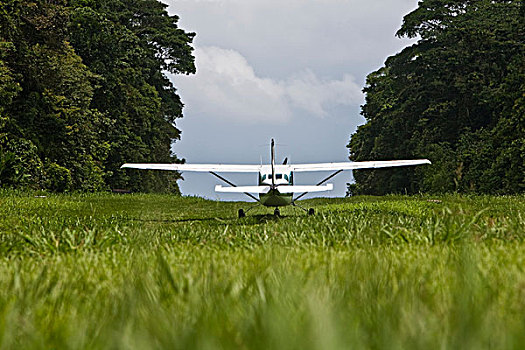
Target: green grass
pixel 154 271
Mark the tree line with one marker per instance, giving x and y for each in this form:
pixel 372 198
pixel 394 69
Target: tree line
pixel 83 89
pixel 456 96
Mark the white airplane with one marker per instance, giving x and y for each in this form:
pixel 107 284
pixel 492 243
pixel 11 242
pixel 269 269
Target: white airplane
pixel 276 187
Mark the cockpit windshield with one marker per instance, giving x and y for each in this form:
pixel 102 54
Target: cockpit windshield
pixel 277 177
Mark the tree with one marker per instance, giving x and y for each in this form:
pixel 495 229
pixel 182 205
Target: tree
pixel 130 44
pixel 50 122
pixel 456 97
pixel 83 90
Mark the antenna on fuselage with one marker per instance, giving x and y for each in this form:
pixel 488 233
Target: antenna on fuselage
pixel 273 164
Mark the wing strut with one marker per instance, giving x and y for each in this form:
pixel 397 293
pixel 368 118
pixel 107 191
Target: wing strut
pixel 319 184
pixel 233 185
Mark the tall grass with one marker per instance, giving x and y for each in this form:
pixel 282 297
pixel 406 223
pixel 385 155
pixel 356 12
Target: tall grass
pixel 150 271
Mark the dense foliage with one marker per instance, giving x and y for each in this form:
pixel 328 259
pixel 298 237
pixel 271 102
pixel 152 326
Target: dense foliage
pixel 97 271
pixel 82 90
pixel 457 97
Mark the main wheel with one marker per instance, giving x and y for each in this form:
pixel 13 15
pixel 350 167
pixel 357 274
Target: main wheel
pixel 311 211
pixel 241 213
pixel 276 212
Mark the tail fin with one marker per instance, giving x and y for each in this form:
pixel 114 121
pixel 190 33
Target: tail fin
pixel 273 163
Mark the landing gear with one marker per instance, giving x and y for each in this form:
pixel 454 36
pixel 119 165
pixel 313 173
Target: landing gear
pixel 241 213
pixel 276 212
pixel 310 211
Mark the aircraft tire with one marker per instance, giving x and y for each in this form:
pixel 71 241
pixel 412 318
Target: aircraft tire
pixel 311 211
pixel 276 212
pixel 241 213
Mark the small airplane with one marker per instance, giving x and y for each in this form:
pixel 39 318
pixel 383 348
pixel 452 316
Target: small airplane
pixel 276 184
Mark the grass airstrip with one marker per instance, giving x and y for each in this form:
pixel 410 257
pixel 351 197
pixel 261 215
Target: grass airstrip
pixel 156 271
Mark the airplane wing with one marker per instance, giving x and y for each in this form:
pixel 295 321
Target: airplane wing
pixel 301 188
pixel 241 168
pixel 357 165
pixel 226 168
pixel 242 189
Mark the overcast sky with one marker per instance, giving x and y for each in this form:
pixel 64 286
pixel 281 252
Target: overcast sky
pixel 292 70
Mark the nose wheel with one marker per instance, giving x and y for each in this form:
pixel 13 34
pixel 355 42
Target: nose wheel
pixel 241 213
pixel 276 212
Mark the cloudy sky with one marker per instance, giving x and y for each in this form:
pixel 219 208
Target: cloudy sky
pixel 292 70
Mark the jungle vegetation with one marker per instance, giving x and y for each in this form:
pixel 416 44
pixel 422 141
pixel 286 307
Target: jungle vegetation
pixel 83 88
pixel 456 96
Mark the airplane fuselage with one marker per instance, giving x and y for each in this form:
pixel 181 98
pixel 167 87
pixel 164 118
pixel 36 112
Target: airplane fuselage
pixel 277 197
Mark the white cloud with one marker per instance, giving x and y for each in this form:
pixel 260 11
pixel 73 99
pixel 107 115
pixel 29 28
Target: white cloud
pixel 227 87
pixel 308 92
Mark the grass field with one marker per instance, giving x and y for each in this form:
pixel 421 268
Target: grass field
pixel 154 271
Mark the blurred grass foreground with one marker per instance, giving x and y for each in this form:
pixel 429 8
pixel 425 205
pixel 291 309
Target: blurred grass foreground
pixel 155 271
